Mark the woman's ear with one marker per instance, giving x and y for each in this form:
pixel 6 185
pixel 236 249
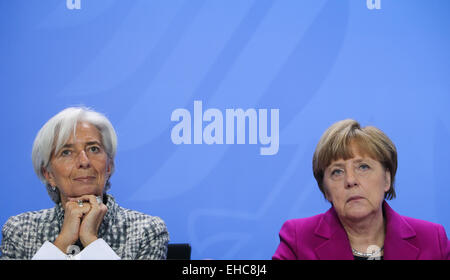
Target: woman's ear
pixel 109 167
pixel 387 186
pixel 48 176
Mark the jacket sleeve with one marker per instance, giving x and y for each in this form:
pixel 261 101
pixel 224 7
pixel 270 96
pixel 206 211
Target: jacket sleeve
pixel 154 241
pixel 11 247
pixel 444 243
pixel 287 248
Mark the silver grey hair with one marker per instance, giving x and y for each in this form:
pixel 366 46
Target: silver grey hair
pixel 56 132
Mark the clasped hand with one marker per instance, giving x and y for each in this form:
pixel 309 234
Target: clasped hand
pixel 81 221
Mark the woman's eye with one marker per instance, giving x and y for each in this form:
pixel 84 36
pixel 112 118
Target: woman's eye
pixel 94 149
pixel 364 167
pixel 336 172
pixel 66 153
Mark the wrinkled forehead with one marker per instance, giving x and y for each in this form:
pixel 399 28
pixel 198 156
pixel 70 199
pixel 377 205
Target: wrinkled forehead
pixel 84 130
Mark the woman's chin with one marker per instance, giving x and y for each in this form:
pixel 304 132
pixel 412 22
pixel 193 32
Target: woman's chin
pixel 86 190
pixel 356 212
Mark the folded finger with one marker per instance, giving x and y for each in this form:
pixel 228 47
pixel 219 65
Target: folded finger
pixel 78 207
pixel 94 200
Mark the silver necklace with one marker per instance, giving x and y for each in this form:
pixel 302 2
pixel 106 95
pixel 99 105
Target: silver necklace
pixel 367 255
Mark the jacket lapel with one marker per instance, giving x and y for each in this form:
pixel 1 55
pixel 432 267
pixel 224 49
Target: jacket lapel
pixel 335 245
pixel 398 243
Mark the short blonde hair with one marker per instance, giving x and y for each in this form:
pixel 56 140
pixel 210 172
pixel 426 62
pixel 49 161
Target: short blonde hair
pixel 335 144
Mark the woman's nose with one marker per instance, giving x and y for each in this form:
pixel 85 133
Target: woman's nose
pixel 83 160
pixel 350 179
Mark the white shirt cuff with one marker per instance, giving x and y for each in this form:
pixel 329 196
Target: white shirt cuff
pixel 49 251
pixel 97 250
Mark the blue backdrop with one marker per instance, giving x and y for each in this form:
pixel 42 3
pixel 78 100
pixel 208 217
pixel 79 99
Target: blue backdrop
pixel 316 61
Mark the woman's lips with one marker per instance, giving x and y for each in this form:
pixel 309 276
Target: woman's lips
pixel 85 179
pixel 355 197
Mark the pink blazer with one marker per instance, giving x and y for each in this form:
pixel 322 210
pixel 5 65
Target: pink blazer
pixel 322 237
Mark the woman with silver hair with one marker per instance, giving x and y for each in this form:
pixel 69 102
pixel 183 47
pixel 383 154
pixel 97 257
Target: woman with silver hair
pixel 73 155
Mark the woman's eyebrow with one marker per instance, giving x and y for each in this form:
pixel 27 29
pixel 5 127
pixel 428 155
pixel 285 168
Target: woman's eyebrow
pixel 67 146
pixel 337 164
pixel 365 159
pixel 93 143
